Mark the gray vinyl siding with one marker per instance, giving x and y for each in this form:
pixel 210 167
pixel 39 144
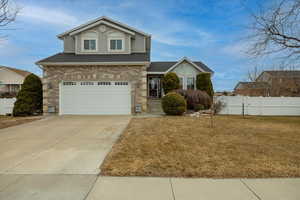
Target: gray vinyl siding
pixel 102 42
pixel 132 44
pixel 138 43
pixel 69 44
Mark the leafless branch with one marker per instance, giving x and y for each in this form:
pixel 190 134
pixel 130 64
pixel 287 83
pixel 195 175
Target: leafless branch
pixel 253 73
pixel 276 30
pixel 8 13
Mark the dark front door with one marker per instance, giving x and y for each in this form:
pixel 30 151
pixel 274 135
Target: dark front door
pixel 154 86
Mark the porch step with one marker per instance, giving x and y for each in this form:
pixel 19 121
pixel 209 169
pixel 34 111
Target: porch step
pixel 154 106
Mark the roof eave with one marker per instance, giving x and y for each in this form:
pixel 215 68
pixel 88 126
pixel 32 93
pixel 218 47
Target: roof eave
pixel 156 72
pixel 60 36
pixel 93 63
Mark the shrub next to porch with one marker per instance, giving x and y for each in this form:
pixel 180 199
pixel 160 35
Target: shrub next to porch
pixel 170 82
pixel 203 82
pixel 173 104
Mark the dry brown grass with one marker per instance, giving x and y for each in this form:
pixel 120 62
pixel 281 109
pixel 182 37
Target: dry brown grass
pixel 8 121
pixel 188 147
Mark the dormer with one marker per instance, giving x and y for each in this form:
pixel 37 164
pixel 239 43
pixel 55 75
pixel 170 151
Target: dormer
pixel 105 36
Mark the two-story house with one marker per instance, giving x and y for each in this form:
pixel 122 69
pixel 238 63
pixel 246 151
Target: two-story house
pixel 105 68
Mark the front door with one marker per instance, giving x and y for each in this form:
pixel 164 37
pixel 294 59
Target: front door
pixel 154 87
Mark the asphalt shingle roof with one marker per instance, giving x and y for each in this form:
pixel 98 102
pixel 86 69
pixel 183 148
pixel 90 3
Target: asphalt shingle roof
pixel 295 73
pixel 254 85
pixel 82 58
pixel 164 66
pixel 18 71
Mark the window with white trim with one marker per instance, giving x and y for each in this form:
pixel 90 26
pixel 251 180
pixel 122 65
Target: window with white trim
pixel 89 41
pixel 116 44
pixel 89 45
pixel 190 83
pixel 181 83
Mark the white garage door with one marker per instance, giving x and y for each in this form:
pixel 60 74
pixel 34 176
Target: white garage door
pixel 95 98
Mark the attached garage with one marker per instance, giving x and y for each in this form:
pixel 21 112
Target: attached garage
pixel 95 98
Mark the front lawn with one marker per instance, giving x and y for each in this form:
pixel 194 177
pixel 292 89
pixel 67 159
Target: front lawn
pixel 188 147
pixel 8 121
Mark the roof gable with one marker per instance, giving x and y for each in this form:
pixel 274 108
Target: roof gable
pixel 103 20
pixel 164 66
pixel 188 61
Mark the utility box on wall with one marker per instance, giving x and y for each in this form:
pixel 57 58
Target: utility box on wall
pixel 138 108
pixel 51 109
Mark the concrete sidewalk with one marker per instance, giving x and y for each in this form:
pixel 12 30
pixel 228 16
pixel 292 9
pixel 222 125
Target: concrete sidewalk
pixel 91 187
pixel 136 188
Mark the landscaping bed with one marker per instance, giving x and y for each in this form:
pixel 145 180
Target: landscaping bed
pixel 8 121
pixel 254 147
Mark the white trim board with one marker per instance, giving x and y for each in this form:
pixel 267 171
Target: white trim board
pixel 98 23
pixel 98 19
pixel 187 60
pixel 156 72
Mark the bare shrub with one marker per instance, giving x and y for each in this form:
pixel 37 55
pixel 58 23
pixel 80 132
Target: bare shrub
pixel 218 106
pixel 195 97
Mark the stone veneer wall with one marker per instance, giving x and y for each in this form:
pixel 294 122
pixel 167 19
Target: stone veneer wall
pixel 53 75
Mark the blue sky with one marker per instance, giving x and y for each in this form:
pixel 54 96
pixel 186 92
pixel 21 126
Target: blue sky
pixel 209 31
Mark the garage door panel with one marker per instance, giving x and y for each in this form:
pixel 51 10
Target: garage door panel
pixel 95 99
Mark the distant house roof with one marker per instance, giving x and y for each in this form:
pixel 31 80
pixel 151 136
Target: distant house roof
pixel 283 73
pixel 165 66
pixel 252 85
pixel 18 71
pixel 72 58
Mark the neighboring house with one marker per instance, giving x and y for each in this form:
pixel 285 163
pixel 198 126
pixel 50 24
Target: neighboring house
pixel 11 79
pixel 252 89
pixel 283 83
pixel 272 83
pixel 105 68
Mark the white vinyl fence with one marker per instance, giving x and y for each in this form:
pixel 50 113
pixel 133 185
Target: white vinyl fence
pixel 6 105
pixel 236 105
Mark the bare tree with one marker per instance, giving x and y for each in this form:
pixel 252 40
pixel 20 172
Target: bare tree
pixel 253 74
pixel 8 13
pixel 276 30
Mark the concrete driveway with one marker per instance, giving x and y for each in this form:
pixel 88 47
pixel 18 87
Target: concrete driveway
pixel 56 157
pixel 59 145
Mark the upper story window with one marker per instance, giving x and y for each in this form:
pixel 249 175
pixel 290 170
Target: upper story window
pixel 89 42
pixel 116 42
